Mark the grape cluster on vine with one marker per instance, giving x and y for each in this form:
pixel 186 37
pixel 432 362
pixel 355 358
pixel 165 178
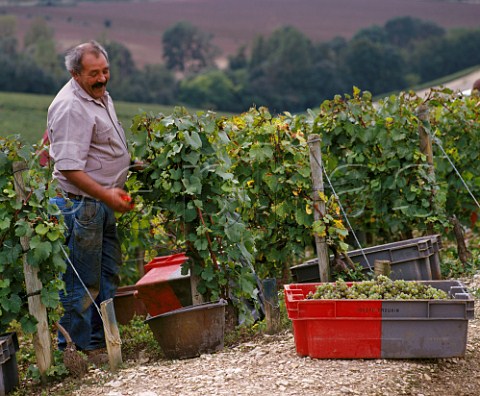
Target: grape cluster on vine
pixel 381 288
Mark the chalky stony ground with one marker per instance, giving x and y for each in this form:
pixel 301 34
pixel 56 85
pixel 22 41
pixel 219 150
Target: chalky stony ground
pixel 269 365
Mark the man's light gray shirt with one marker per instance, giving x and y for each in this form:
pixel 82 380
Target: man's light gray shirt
pixel 85 134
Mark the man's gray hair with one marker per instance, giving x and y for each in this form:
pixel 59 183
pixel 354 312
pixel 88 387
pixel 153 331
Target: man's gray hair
pixel 73 57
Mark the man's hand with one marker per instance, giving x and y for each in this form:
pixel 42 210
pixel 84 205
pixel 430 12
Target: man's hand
pixel 119 200
pixel 115 198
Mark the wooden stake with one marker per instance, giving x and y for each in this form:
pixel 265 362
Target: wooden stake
pixel 41 339
pixel 426 148
pixel 112 335
pixel 464 254
pixel 197 298
pixel 140 260
pixel 272 308
pixel 316 166
pixel 382 267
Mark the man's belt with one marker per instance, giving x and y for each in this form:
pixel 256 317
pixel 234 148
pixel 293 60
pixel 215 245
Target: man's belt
pixel 78 197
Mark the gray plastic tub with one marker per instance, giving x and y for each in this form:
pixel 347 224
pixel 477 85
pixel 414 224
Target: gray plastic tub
pixel 411 259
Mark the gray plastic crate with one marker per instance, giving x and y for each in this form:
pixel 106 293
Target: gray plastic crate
pixel 404 251
pixel 8 363
pixel 440 326
pixel 411 259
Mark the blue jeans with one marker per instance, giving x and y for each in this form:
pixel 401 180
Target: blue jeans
pixel 95 252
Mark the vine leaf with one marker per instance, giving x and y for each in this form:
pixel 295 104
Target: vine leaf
pixel 193 139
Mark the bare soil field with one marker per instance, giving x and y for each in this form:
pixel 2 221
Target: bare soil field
pixel 140 24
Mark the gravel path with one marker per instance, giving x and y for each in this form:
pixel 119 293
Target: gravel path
pixel 269 365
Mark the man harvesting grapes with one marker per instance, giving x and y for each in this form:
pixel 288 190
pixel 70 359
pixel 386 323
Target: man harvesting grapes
pixel 91 161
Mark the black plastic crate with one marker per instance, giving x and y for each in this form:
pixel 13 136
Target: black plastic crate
pixel 8 363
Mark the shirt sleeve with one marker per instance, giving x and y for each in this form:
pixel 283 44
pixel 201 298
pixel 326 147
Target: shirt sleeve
pixel 70 133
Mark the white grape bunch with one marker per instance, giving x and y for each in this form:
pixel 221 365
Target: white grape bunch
pixel 382 288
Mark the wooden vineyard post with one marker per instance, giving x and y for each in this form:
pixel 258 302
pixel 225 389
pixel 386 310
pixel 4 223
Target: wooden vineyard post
pixel 271 306
pixel 140 260
pixel 426 148
pixel 197 298
pixel 316 166
pixel 112 335
pixel 464 255
pixel 382 267
pixel 41 339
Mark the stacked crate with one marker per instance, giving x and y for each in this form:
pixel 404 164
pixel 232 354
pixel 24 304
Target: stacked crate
pixel 411 259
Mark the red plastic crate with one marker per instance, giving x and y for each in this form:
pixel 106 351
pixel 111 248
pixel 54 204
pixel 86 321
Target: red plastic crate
pixel 380 328
pixel 173 259
pixel 163 288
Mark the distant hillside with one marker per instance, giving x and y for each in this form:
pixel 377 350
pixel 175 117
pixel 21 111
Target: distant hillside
pixel 140 25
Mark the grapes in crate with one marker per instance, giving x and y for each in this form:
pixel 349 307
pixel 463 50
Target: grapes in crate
pixel 381 288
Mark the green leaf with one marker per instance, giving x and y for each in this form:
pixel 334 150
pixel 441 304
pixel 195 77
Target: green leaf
pixel 193 185
pixel 302 217
pixel 175 174
pixel 235 231
pixel 201 244
pixel 4 283
pixel 54 235
pixel 5 223
pixel 208 274
pixel 50 298
pixel 192 157
pixel 3 159
pixel 261 152
pixel 59 263
pixel 39 252
pixel 12 304
pixel 22 228
pixel 29 324
pixel 396 137
pixel 225 175
pixel 246 285
pixel 41 229
pixel 189 214
pixel 193 139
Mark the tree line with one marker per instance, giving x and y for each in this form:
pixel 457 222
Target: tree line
pixel 285 71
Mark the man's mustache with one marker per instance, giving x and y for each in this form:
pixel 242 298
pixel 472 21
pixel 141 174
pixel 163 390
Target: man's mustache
pixel 98 85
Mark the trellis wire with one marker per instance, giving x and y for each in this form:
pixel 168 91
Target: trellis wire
pixel 111 338
pixel 346 218
pixel 344 213
pixel 439 144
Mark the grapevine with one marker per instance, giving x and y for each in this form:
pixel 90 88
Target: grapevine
pixel 372 156
pixel 270 161
pixel 32 219
pixel 237 191
pixel 191 185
